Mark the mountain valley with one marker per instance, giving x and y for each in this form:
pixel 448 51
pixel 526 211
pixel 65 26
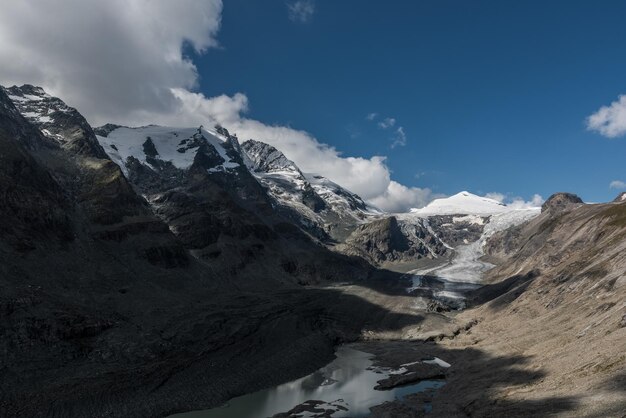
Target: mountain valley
pixel 147 271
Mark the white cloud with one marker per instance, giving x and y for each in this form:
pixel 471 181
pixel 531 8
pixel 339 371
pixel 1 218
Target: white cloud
pixel 399 198
pixel 115 60
pixel 301 10
pixel 617 184
pixel 495 196
pixel 399 139
pixel 387 123
pixel 399 136
pixel 516 202
pixel 122 61
pixel 519 203
pixel 610 121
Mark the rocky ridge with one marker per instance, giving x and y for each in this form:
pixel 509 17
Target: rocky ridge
pixel 320 206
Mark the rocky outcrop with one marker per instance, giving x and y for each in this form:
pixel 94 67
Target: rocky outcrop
pixel 379 240
pixel 414 373
pixel 560 202
pixel 399 242
pixel 264 158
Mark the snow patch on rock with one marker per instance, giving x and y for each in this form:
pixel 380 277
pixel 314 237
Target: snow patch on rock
pixel 176 145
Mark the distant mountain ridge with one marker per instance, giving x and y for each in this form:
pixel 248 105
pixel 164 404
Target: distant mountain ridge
pixel 161 162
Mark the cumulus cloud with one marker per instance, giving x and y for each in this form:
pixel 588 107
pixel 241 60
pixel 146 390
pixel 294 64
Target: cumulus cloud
pixel 610 121
pixel 371 116
pixel 516 202
pixel 301 10
pixel 617 184
pixel 399 198
pixel 122 61
pixel 519 203
pixel 496 196
pixel 115 60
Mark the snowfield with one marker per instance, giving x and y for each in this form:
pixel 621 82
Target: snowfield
pixel 175 145
pixel 460 204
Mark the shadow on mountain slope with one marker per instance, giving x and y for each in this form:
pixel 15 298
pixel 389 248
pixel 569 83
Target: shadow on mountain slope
pixel 167 351
pixel 500 294
pixel 477 384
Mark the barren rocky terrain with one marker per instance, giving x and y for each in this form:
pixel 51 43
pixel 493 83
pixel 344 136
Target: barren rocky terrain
pixel 548 334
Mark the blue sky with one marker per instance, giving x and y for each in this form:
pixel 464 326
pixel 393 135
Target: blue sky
pixel 491 95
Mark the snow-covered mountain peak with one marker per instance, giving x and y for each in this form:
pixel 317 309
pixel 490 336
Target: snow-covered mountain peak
pixel 463 203
pixel 38 107
pixel 55 120
pixel 27 93
pixel 263 157
pixel 178 146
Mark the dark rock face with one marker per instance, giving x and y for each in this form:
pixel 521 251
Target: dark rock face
pixel 312 199
pixel 381 240
pixel 406 240
pixel 560 202
pixel 33 206
pixel 315 409
pixel 106 129
pixel 149 149
pixel 415 373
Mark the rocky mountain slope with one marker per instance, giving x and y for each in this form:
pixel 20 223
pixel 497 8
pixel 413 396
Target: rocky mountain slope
pixel 554 305
pixel 310 200
pixel 123 288
pixel 546 333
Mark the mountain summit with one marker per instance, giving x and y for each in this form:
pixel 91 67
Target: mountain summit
pixel 463 203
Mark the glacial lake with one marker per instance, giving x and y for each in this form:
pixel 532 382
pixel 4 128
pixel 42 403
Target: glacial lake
pixel 347 382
